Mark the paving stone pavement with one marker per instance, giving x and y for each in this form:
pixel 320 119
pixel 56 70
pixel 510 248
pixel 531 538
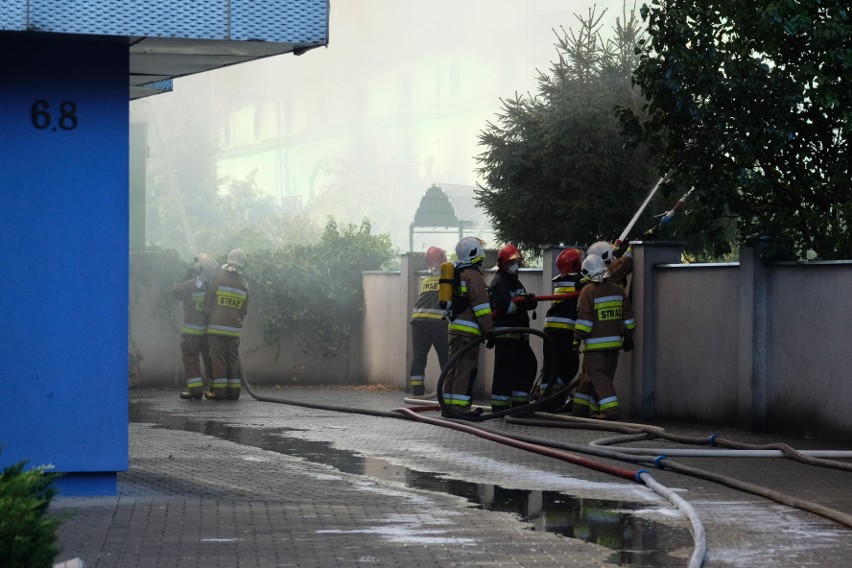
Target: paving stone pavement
pixel 251 483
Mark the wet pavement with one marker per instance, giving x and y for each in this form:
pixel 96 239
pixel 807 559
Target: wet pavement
pixel 251 483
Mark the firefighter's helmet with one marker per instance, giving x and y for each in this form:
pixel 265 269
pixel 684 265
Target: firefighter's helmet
pixel 469 251
pixel 594 268
pixel 236 260
pixel 205 266
pixel 603 249
pixel 508 254
pixel 434 257
pixel 569 261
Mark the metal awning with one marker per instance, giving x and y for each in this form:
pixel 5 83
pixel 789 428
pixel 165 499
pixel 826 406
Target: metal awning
pixel 168 39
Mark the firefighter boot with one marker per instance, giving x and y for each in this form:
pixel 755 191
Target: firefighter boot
pixel 192 394
pixel 218 394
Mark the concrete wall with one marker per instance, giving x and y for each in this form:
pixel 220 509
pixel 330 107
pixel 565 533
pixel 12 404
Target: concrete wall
pixel 695 322
pixel 749 344
pixel 752 344
pixel 809 358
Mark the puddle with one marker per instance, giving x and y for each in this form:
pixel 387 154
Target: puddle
pixel 634 540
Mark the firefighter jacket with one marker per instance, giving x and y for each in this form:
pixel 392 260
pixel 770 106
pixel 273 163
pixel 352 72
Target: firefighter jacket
pixel 427 308
pixel 227 303
pixel 475 319
pixel 562 315
pixel 192 296
pixel 507 313
pixel 620 267
pixel 604 316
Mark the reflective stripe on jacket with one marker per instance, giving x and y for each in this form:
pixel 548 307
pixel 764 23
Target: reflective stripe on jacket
pixel 475 320
pixel 227 303
pixel 604 316
pixel 194 316
pixel 427 307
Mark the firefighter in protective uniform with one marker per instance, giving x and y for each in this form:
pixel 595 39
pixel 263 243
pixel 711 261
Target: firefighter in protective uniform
pixel 428 324
pixel 193 334
pixel 470 319
pixel 605 325
pixel 514 361
pixel 227 303
pixel 618 260
pixel 559 326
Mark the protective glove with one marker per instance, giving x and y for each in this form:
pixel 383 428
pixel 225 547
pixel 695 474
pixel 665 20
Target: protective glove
pixel 489 340
pixel 627 346
pixel 576 346
pixel 622 248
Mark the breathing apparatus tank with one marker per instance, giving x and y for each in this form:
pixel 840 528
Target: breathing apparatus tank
pixel 446 283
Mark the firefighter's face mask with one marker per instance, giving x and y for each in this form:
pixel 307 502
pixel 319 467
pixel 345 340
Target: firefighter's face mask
pixel 513 267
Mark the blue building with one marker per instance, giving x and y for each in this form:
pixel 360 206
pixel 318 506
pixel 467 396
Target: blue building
pixel 67 71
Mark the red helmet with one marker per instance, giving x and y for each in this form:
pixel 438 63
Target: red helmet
pixel 507 254
pixel 435 256
pixel 569 261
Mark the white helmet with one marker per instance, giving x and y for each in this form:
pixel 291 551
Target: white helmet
pixel 469 251
pixel 205 266
pixel 236 260
pixel 603 249
pixel 594 268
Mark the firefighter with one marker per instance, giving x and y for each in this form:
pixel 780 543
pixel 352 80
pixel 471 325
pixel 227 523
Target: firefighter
pixel 227 303
pixel 470 319
pixel 193 334
pixel 514 361
pixel 559 326
pixel 605 324
pixel 618 259
pixel 428 324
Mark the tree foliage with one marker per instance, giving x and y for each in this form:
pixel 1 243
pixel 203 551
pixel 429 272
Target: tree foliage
pixel 555 165
pixel 749 102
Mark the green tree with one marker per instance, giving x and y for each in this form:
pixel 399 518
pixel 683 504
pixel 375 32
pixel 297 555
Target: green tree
pixel 750 103
pixel 555 165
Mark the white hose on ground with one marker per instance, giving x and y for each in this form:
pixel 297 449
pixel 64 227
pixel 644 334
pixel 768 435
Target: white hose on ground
pixel 721 453
pixel 699 536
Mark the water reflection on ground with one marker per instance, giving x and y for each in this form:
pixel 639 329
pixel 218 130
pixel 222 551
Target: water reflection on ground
pixel 635 541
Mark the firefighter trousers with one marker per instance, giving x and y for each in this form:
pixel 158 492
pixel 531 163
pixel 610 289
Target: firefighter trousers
pixel 458 383
pixel 567 362
pixel 424 336
pixel 225 355
pixel 194 351
pixel 514 373
pixel 596 391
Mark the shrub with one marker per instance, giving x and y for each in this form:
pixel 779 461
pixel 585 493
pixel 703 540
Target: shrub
pixel 27 532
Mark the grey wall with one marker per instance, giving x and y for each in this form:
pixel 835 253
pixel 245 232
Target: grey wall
pixel 695 321
pixel 763 346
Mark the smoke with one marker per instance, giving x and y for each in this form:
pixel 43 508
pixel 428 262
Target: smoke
pixel 362 127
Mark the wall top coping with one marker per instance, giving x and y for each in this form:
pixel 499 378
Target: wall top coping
pixel 694 265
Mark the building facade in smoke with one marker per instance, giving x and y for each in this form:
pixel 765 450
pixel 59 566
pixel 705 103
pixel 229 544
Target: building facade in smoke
pixel 396 102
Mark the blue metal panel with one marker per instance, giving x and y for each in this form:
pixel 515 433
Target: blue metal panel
pixel 64 158
pixel 292 21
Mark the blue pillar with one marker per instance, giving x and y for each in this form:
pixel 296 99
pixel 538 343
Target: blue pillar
pixel 64 256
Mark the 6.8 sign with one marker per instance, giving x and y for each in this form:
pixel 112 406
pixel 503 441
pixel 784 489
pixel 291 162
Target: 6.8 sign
pixel 42 118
